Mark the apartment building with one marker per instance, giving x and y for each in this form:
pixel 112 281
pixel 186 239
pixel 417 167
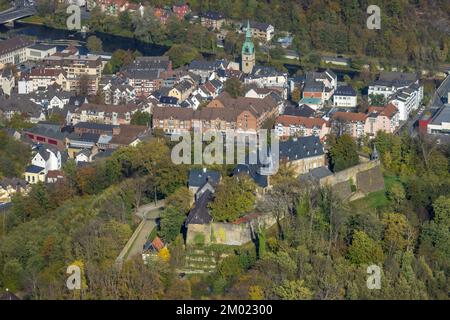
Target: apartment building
pixel 241 114
pixel 295 126
pixel 14 50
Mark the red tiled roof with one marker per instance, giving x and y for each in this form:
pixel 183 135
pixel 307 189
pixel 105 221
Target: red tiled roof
pixel 45 72
pixel 350 116
pixel 54 174
pixel 246 218
pixel 157 243
pixel 288 120
pixel 388 110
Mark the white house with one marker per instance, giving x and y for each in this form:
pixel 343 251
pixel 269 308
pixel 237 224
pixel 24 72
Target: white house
pixel 345 97
pixel 389 83
pixel 407 100
pixel 48 158
pixel 39 52
pixel 7 81
pixel 260 30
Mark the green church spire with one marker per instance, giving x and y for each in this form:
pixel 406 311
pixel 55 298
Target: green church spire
pixel 248 47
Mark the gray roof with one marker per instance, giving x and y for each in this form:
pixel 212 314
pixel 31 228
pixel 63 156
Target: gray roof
pixel 47 131
pixel 96 126
pixel 301 148
pixel 264 71
pixel 252 171
pixel 33 169
pixel 258 25
pixel 44 151
pixel 300 111
pixel 396 79
pixel 202 65
pixel 200 213
pixel 198 177
pixel 42 47
pixel 345 91
pixel 442 115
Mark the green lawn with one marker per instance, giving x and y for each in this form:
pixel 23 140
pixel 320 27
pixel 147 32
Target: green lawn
pixel 377 199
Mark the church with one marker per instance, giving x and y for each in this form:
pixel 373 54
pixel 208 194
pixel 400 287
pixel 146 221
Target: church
pixel 248 52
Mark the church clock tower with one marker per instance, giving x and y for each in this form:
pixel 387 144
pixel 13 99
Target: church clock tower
pixel 248 52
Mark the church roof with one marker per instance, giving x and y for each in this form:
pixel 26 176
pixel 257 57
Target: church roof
pixel 248 47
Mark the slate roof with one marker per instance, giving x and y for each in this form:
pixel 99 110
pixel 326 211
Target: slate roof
pixel 442 116
pixel 198 177
pixel 44 151
pixel 20 104
pixel 13 44
pixel 301 148
pixel 202 65
pixel 396 79
pixel 258 25
pixel 200 213
pixel 34 169
pixel 347 91
pixel 96 126
pixel 213 15
pixel 47 132
pixel 265 71
pixel 168 100
pixel 252 172
pixel 300 111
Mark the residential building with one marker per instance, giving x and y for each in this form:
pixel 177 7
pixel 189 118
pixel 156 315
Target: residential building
pixel 181 10
pixel 302 154
pixel 320 85
pixel 345 97
pixel 389 83
pixel 119 93
pixel 42 78
pixel 388 118
pixel 260 30
pixel 13 51
pixel 407 100
pixel 7 81
pixel 106 114
pixel 145 74
pixel 267 77
pixel 10 186
pixel 212 20
pixel 204 69
pixel 294 126
pixel 313 103
pixel 199 177
pixel 47 157
pixel 76 67
pixel 39 52
pixel 351 123
pixel 182 90
pixel 358 125
pixel 223 113
pixel 23 106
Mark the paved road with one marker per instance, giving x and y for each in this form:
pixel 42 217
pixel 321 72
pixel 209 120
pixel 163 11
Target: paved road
pixel 142 210
pixel 138 244
pixel 151 213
